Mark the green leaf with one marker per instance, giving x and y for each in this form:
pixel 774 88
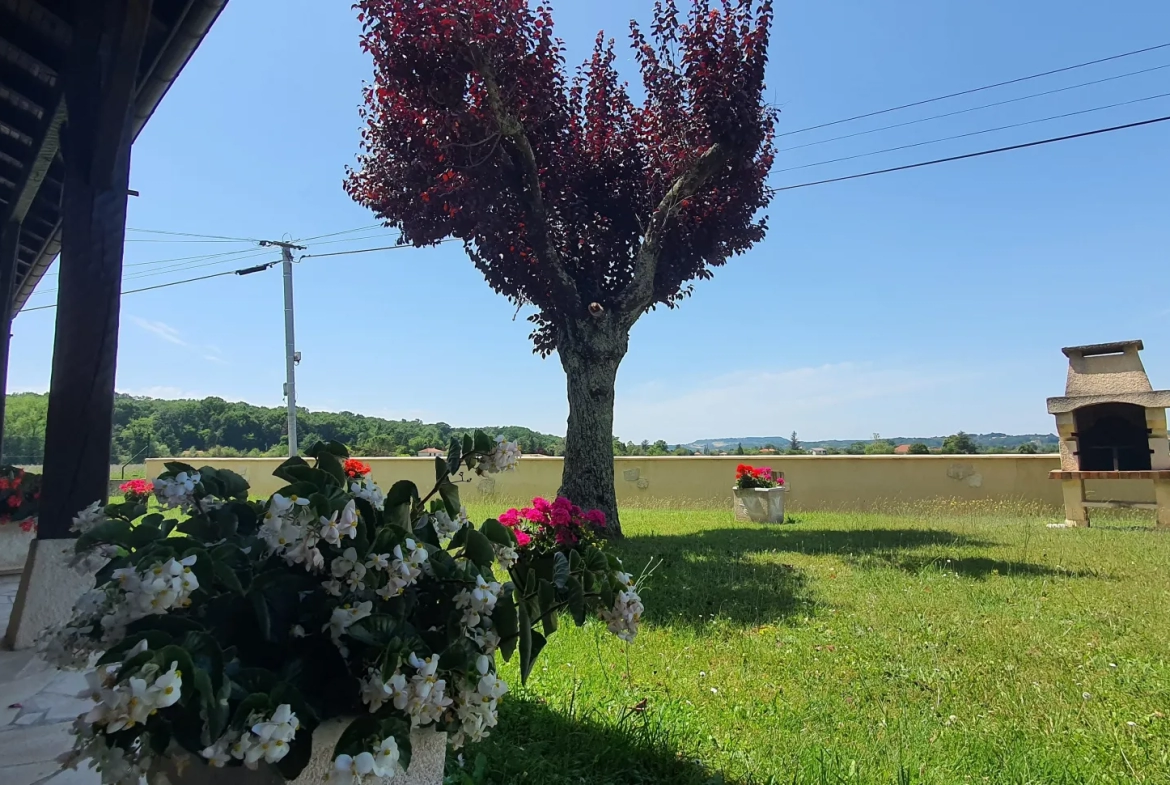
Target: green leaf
pixel 113 532
pixel 376 630
pixel 357 737
pixel 175 467
pixel 498 533
pixel 576 563
pixel 454 454
pixel 227 577
pixel 468 444
pixel 282 471
pixel 459 538
pixel 560 569
pixel 547 595
pixel 506 621
pixel 525 642
pixel 479 549
pixel 441 471
pixel 331 465
pixel 263 615
pixel 538 642
pixel 332 447
pixel 155 640
pixel 449 492
pixel 256 703
pixel 483 442
pixel 595 561
pixel 576 600
pixel 402 492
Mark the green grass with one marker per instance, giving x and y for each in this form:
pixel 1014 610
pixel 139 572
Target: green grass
pixel 940 645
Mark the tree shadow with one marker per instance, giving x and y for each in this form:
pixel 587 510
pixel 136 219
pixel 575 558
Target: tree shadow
pixel 738 574
pixel 536 744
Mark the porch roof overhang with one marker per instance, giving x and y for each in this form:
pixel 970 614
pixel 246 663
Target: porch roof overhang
pixel 35 36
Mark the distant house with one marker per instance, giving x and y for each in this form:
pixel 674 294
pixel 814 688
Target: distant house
pixel 767 451
pixel 431 452
pixel 902 449
pixel 818 451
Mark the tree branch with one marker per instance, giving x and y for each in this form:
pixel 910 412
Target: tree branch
pixel 524 157
pixel 638 294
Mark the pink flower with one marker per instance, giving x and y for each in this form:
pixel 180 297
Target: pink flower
pixel 510 518
pixel 522 539
pixel 596 517
pixel 561 516
pixel 541 504
pixel 536 516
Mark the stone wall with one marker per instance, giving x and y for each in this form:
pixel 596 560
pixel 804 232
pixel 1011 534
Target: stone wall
pixel 816 482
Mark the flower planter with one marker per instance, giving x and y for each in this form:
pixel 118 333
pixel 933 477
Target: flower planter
pixel 428 758
pixel 14 544
pixel 760 505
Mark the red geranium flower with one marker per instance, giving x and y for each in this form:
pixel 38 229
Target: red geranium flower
pixel 355 468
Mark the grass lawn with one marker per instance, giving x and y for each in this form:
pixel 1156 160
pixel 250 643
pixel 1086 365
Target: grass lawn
pixel 943 646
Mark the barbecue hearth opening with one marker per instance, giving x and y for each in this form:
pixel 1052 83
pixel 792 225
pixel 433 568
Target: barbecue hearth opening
pixel 1112 437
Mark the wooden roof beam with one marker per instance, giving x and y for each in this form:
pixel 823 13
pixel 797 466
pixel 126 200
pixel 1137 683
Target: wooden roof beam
pixel 45 146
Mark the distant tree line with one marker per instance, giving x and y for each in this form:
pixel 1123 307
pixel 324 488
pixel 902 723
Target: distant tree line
pixel 214 427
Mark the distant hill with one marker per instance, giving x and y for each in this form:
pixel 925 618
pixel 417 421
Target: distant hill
pixel 985 440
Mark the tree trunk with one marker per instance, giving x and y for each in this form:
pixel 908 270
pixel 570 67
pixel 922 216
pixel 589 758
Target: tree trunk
pixel 590 353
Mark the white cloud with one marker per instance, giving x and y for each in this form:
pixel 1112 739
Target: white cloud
pixel 161 329
pixel 836 401
pixel 173 335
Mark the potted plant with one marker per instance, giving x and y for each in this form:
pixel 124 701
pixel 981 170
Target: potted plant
pixel 760 493
pixel 20 494
pixel 335 631
pixel 136 490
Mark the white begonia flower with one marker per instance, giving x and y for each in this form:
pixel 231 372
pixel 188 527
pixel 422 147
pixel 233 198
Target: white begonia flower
pixel 351 770
pixel 307 553
pixel 367 489
pixel 623 619
pixel 345 616
pixel 478 602
pixel 378 561
pixel 219 754
pixel 486 639
pixel 177 491
pixel 483 664
pixel 399 690
pixel 334 587
pixel 347 524
pixel 343 564
pixel 330 529
pixel 506 555
pixel 386 758
pixel 374 691
pixel 502 458
pixel 87 519
pixel 167 688
pixel 445 526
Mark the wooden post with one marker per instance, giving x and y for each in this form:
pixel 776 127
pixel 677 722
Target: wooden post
pixel 9 250
pixel 99 90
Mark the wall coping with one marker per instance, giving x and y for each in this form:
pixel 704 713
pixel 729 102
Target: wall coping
pixel 728 458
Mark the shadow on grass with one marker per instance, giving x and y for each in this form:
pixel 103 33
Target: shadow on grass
pixel 535 744
pixel 726 573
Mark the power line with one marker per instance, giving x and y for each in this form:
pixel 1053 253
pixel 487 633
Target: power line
pixel 975 155
pixel 192 234
pixel 970 133
pixel 368 250
pixel 176 269
pixel 973 108
pixel 245 271
pixel 346 231
pixel 976 89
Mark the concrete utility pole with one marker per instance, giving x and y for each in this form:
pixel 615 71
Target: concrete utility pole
pixel 291 355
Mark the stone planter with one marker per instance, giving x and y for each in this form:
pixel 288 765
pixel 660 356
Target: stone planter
pixel 428 759
pixel 14 545
pixel 760 505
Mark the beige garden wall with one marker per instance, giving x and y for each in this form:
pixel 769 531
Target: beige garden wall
pixel 815 482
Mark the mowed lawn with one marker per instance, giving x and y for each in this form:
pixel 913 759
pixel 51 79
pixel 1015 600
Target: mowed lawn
pixel 943 646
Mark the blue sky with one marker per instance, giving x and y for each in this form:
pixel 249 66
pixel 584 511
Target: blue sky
pixel 915 303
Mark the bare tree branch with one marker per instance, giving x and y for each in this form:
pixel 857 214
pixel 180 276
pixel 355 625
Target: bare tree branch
pixel 524 157
pixel 638 294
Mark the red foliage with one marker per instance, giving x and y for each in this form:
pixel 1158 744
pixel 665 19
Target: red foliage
pixel 756 477
pixel 565 193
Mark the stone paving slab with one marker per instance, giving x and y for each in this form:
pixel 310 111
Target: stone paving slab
pixel 38 704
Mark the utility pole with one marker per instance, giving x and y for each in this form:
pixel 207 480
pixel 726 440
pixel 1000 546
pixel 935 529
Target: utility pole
pixel 291 355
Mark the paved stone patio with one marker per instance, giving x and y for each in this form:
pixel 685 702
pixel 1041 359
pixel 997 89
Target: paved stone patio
pixel 37 705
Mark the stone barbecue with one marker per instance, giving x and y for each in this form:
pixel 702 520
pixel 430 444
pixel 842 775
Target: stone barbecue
pixel 1112 426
